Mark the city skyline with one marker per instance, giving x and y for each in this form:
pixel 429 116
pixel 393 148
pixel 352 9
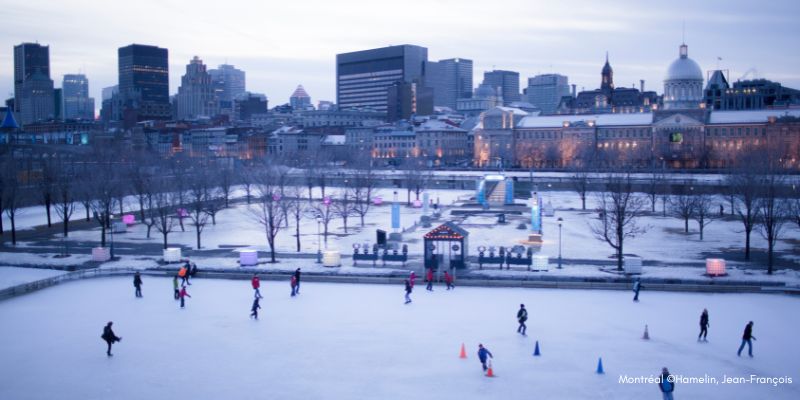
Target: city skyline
pixel 278 52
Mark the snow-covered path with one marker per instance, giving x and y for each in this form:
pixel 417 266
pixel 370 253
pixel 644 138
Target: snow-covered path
pixel 343 341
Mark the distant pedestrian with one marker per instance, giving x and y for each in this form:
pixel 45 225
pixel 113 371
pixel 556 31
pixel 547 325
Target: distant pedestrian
pixel 483 353
pixel 175 287
pixel 183 273
pixel 255 282
pixel 429 278
pixel 721 210
pixel 297 281
pixel 666 383
pixel 637 286
pixel 408 291
pixel 183 295
pixel 293 283
pixel 747 338
pixel 703 326
pixel 412 278
pixel 254 309
pixel 522 316
pixel 109 336
pixel 448 279
pixel 137 283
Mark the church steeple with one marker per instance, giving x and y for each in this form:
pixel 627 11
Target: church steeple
pixel 607 83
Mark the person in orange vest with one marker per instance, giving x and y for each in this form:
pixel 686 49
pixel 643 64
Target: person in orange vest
pixel 183 295
pixel 429 278
pixel 448 279
pixel 256 283
pixel 182 274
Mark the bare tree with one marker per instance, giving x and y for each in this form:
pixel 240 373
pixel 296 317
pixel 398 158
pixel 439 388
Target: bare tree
pixel 14 194
pixel 743 183
pixel 773 211
pixel 140 176
pixel 46 182
pixel 703 211
pixel 268 211
pixel 165 202
pixel 655 181
pixel 64 193
pixel 102 186
pixel 619 209
pixel 179 168
pixel 580 184
pixel 246 178
pixel 682 205
pixel 343 206
pixel 298 208
pixel 224 179
pixel 198 197
pixel 325 213
pixel 362 187
pixel 417 177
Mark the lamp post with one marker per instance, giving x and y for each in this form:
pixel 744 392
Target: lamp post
pixel 319 245
pixel 560 220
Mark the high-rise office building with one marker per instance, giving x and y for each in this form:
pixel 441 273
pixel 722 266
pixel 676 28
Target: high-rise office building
pixel 143 83
pixel 77 103
pixel 195 96
pixel 300 100
pixel 229 82
pixel 33 88
pixel 545 91
pixel 364 77
pixel 450 79
pixel 507 81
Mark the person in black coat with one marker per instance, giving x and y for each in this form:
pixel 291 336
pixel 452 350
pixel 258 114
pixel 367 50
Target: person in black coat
pixel 522 316
pixel 254 309
pixel 748 338
pixel 408 291
pixel 703 326
pixel 109 336
pixel 637 286
pixel 137 283
pixel 297 281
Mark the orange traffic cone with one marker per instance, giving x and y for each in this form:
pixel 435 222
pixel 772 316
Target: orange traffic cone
pixel 646 335
pixel 463 352
pixel 489 372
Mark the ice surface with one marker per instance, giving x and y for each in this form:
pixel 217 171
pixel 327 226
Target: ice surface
pixel 12 276
pixel 343 341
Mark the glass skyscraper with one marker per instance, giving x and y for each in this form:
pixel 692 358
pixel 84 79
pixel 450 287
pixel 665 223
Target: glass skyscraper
pixel 144 83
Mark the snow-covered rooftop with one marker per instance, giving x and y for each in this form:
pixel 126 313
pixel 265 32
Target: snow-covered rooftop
pixel 335 139
pixel 436 125
pixel 555 121
pixel 754 116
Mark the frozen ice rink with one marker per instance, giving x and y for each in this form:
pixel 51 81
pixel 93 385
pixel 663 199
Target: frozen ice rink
pixel 343 341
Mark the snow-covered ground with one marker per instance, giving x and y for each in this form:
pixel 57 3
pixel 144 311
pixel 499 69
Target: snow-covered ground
pixel 342 341
pixel 13 276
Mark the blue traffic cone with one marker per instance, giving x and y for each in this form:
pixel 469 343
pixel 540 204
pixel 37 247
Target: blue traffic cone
pixel 536 350
pixel 600 366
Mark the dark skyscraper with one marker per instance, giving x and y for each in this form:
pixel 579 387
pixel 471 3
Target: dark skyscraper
pixel 33 88
pixel 77 103
pixel 364 77
pixel 143 83
pixel 450 79
pixel 507 81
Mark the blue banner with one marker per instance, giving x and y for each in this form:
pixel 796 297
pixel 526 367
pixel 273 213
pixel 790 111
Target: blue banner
pixel 536 213
pixel 395 216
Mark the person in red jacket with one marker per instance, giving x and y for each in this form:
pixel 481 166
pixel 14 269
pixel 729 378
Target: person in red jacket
pixel 256 283
pixel 412 279
pixel 448 279
pixel 293 283
pixel 183 295
pixel 429 278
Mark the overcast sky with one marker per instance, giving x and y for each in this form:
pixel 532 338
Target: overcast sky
pixel 284 43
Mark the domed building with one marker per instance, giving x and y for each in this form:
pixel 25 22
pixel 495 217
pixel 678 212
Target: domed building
pixel 683 85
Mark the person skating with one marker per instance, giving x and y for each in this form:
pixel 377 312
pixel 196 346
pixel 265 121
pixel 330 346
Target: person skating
pixel 297 281
pixel 637 286
pixel 255 282
pixel 254 309
pixel 109 336
pixel 293 283
pixel 408 291
pixel 137 283
pixel 183 274
pixel 193 270
pixel 188 268
pixel 412 279
pixel 183 295
pixel 483 353
pixel 666 383
pixel 522 316
pixel 748 339
pixel 429 278
pixel 703 326
pixel 177 294
pixel 448 280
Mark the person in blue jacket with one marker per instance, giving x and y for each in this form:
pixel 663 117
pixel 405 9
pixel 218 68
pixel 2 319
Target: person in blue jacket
pixel 667 384
pixel 483 352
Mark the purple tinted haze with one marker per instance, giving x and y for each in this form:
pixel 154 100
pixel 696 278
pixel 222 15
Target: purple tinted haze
pixel 282 44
